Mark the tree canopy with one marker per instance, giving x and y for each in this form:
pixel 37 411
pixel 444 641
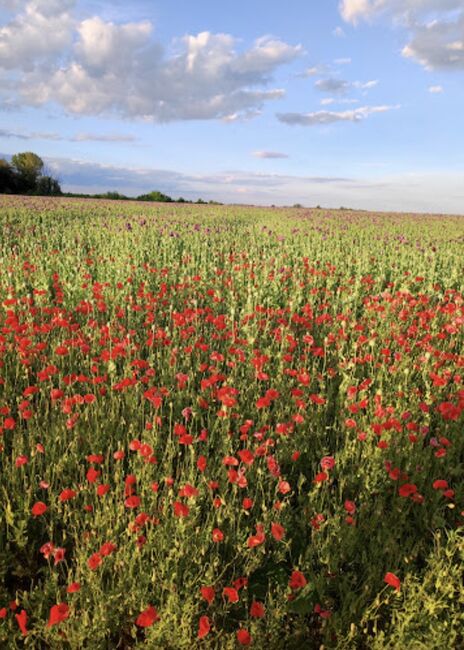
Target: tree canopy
pixel 25 175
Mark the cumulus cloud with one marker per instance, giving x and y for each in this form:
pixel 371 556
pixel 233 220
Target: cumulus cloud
pixel 269 154
pixel 436 27
pixel 97 67
pixel 435 89
pixel 405 10
pixel 438 45
pixel 41 31
pixel 330 117
pixel 205 79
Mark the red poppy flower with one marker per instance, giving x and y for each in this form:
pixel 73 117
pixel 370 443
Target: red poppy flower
pixel 103 489
pixel 257 609
pixel 201 463
pixel 94 561
pixel 218 535
pixel 350 507
pixel 67 494
pixel 407 490
pixel 328 462
pixel 208 594
pixel 180 509
pixel 92 474
pixel 204 626
pixel 284 487
pixel 107 548
pixel 231 594
pixel 297 580
pixel 73 588
pixel 58 613
pixel 243 637
pixel 277 531
pixel 38 508
pixel 392 580
pixel 21 619
pixel 132 502
pixel 320 478
pixel 147 617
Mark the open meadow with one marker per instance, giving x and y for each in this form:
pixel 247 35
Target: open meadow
pixel 229 426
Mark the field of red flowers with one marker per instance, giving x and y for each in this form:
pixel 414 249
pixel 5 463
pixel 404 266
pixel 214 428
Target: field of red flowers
pixel 224 427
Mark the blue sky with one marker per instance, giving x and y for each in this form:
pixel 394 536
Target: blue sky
pixel 350 102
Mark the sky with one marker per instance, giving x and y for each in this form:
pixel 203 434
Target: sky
pixel 355 103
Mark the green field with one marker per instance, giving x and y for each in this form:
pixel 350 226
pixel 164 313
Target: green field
pixel 230 426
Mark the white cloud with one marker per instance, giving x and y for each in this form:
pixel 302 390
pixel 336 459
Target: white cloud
pixel 406 10
pixel 313 71
pixel 40 32
pixel 436 27
pixel 365 85
pixel 330 117
pixel 340 86
pixel 97 67
pixel 345 61
pixel 338 32
pixel 435 89
pixel 244 116
pixel 103 137
pixel 438 44
pixel 269 154
pixel 205 79
pixel 105 46
pixel 332 85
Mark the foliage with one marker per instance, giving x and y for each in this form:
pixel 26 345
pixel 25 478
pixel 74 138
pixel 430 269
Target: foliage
pixel 155 196
pixel 25 176
pixel 229 422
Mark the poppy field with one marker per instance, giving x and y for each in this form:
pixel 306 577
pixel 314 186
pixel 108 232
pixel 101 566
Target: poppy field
pixel 229 426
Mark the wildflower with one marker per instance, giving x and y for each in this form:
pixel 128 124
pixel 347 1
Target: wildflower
pixel 58 614
pixel 204 626
pixel 243 637
pixel 218 535
pixel 297 580
pixel 208 594
pixel 392 580
pixel 38 508
pixel 21 619
pixel 147 617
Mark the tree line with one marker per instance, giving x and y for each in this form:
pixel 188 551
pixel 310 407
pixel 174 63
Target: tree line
pixel 26 174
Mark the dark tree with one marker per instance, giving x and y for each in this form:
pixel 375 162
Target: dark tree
pixel 47 186
pixel 28 167
pixel 7 178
